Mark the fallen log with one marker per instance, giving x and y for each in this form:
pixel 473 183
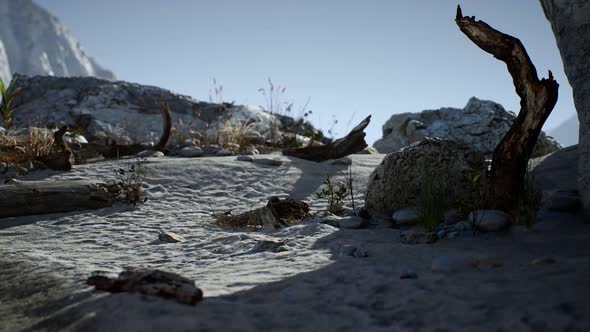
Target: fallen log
pixel 20 198
pixel 276 214
pixel 352 143
pixel 149 282
pixel 537 99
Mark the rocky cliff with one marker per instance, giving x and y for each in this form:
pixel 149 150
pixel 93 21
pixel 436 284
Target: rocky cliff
pixel 34 42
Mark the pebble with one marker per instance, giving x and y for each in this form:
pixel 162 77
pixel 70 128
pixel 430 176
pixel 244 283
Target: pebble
pixel 489 220
pixel 191 152
pixel 150 154
pixel 542 261
pixel 417 236
pixel 268 161
pixel 211 149
pixel 224 153
pixel 251 152
pixel 406 216
pixel 170 237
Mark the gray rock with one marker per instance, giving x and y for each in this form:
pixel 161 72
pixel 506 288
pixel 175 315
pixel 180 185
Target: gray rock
pixel 269 245
pixel 360 251
pixel 350 222
pixel 564 200
pixel 150 154
pixel 3 168
pixel 268 161
pixel 441 234
pixel 570 20
pixel 191 152
pixel 346 161
pixel 452 216
pixel 406 216
pixel 489 220
pixel 170 237
pixel 462 226
pixel 211 148
pixel 481 124
pixel 250 152
pixel 254 137
pixel 245 158
pixel 399 179
pixel 224 153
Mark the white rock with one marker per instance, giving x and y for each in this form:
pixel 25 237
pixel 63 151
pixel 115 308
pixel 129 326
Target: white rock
pixel 405 216
pixel 489 220
pixel 170 237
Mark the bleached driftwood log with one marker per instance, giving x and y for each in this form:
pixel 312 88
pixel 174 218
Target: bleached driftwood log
pixel 149 282
pixel 537 99
pixel 352 143
pixel 20 198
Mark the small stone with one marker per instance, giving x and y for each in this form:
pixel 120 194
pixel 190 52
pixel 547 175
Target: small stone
pixel 3 168
pixel 224 153
pixel 347 250
pixel 489 220
pixel 408 274
pixel 350 222
pixel 405 216
pixel 245 158
pixel 360 252
pixel 342 161
pixel 150 154
pixel 170 237
pixel 268 161
pixel 462 226
pixel 269 245
pixel 191 152
pixel 250 152
pixel 452 235
pixel 542 261
pixel 233 146
pixel 441 234
pixel 211 149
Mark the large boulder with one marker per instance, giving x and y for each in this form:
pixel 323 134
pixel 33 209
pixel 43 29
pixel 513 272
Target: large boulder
pixel 98 105
pixel 481 124
pixel 398 180
pixel 570 20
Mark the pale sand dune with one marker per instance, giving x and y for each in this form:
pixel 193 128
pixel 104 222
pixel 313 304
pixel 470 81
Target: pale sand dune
pixel 313 287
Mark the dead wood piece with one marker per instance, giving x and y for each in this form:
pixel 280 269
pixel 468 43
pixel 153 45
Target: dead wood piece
pixel 21 198
pixel 60 156
pixel 537 99
pixel 276 214
pixel 158 283
pixel 352 143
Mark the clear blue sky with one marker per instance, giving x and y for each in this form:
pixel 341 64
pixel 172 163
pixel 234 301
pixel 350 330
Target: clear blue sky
pixel 351 57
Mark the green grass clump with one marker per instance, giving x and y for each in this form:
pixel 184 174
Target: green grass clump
pixel 8 95
pixel 430 205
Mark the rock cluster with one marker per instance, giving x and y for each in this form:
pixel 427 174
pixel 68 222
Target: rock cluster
pixel 481 124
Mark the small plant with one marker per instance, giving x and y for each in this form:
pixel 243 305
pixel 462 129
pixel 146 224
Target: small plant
pixel 29 146
pixel 430 205
pixel 275 105
pixel 335 194
pixel 350 178
pixel 130 181
pixel 8 95
pixel 480 198
pixel 529 199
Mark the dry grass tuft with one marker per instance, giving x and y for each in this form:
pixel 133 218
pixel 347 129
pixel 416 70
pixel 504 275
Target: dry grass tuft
pixel 22 148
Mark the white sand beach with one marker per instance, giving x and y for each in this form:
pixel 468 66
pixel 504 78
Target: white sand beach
pixel 519 280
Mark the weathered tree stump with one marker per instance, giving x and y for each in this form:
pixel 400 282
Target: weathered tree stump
pixel 537 99
pixel 149 282
pixel 352 143
pixel 21 198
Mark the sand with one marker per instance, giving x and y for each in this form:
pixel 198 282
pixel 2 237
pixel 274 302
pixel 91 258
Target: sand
pixel 483 283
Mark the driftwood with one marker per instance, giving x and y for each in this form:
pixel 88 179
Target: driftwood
pixel 352 143
pixel 149 282
pixel 60 156
pixel 537 99
pixel 114 150
pixel 40 197
pixel 276 214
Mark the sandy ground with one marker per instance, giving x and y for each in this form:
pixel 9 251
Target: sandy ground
pixel 486 283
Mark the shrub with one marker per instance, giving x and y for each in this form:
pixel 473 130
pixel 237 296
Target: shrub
pixel 429 204
pixel 21 148
pixel 130 181
pixel 8 95
pixel 529 199
pixel 335 194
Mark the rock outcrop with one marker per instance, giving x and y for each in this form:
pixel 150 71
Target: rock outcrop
pixel 481 125
pixel 37 43
pixel 100 106
pixel 397 182
pixel 570 20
